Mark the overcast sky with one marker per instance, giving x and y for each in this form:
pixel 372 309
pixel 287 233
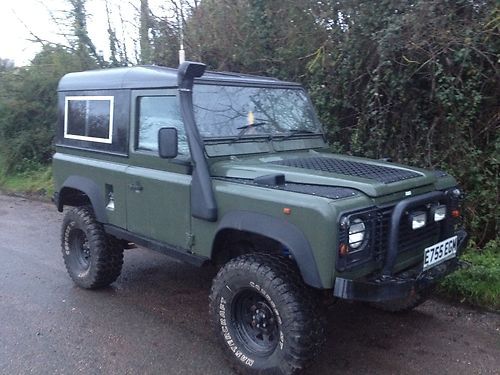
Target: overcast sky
pixel 14 36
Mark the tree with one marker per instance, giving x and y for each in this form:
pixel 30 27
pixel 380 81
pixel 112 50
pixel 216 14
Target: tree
pixel 257 36
pixel 6 65
pixel 113 41
pixel 144 29
pixel 82 44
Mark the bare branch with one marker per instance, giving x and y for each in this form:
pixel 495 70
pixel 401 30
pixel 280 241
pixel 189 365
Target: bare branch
pixel 36 39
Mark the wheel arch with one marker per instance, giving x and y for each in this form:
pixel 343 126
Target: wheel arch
pixel 78 190
pixel 275 229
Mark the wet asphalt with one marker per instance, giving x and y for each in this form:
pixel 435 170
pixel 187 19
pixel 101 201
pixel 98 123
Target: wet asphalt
pixel 153 320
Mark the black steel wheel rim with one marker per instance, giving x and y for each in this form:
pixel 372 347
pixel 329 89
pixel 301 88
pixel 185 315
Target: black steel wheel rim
pixel 80 249
pixel 255 323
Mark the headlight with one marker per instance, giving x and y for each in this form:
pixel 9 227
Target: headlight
pixel 357 231
pixel 457 193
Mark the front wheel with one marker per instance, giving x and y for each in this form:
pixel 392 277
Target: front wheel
pixel 267 319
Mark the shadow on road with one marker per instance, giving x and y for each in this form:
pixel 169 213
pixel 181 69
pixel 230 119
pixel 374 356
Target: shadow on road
pixel 153 319
pixel 361 339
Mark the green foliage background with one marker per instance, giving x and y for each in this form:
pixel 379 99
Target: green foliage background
pixel 415 80
pixel 28 104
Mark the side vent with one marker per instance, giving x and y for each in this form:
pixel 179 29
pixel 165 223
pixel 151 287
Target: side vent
pixel 270 180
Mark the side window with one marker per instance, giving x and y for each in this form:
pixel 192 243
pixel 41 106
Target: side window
pixel 157 112
pixel 89 118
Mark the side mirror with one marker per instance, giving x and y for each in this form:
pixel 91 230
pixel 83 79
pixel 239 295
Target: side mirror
pixel 167 143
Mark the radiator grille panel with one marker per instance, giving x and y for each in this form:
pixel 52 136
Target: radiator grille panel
pixel 409 239
pixel 378 223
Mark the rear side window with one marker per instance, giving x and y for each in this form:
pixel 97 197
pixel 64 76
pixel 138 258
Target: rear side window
pixel 89 118
pixel 156 112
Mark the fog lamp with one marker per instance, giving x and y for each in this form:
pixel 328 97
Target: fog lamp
pixel 418 219
pixel 439 213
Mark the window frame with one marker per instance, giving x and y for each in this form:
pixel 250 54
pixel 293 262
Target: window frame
pixel 137 126
pixel 109 98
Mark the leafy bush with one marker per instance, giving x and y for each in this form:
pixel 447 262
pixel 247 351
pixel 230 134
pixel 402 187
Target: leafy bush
pixel 35 180
pixel 418 81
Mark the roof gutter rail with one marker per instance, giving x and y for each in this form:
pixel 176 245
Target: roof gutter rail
pixel 203 204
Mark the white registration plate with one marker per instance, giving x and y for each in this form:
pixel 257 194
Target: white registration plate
pixel 438 253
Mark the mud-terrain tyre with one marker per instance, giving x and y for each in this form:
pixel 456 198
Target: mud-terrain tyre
pixel 267 320
pixel 93 258
pixel 403 305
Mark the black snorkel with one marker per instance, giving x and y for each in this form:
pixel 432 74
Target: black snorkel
pixel 203 205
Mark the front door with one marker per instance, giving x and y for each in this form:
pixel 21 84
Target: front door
pixel 158 190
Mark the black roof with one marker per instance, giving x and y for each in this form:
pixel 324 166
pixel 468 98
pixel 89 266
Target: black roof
pixel 149 76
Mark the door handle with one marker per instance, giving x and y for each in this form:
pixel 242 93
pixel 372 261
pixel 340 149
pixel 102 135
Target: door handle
pixel 137 187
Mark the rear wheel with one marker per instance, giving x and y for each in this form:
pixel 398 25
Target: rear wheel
pixel 93 258
pixel 266 318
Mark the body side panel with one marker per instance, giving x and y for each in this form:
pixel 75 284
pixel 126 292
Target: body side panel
pixel 103 174
pixel 311 215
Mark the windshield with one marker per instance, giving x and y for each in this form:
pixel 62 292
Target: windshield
pixel 230 111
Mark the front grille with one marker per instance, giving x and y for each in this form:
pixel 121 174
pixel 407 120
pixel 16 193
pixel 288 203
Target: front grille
pixel 378 173
pixel 378 222
pixel 409 239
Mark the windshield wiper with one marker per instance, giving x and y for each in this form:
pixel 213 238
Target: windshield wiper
pixel 250 125
pixel 298 132
pixel 243 129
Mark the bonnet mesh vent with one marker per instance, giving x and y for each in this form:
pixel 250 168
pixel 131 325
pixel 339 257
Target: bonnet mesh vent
pixel 382 174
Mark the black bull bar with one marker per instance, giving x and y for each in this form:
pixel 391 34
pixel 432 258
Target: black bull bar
pixel 387 286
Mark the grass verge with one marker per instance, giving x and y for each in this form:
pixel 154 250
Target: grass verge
pixel 479 283
pixel 36 182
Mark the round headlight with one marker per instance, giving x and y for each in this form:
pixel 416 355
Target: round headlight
pixel 357 231
pixel 457 193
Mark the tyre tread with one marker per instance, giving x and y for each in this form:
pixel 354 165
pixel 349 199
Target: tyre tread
pixel 108 254
pixel 307 327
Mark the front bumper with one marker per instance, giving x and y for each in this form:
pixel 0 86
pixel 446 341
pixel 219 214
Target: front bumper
pixel 385 288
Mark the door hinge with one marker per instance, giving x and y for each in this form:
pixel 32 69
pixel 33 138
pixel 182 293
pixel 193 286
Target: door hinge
pixel 189 240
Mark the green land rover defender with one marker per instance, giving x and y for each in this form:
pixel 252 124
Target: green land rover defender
pixel 234 170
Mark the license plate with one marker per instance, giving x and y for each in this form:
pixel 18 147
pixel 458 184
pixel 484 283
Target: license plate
pixel 440 252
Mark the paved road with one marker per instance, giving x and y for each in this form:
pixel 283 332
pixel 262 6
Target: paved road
pixel 153 320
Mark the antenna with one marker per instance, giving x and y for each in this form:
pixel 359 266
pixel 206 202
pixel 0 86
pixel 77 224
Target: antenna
pixel 180 19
